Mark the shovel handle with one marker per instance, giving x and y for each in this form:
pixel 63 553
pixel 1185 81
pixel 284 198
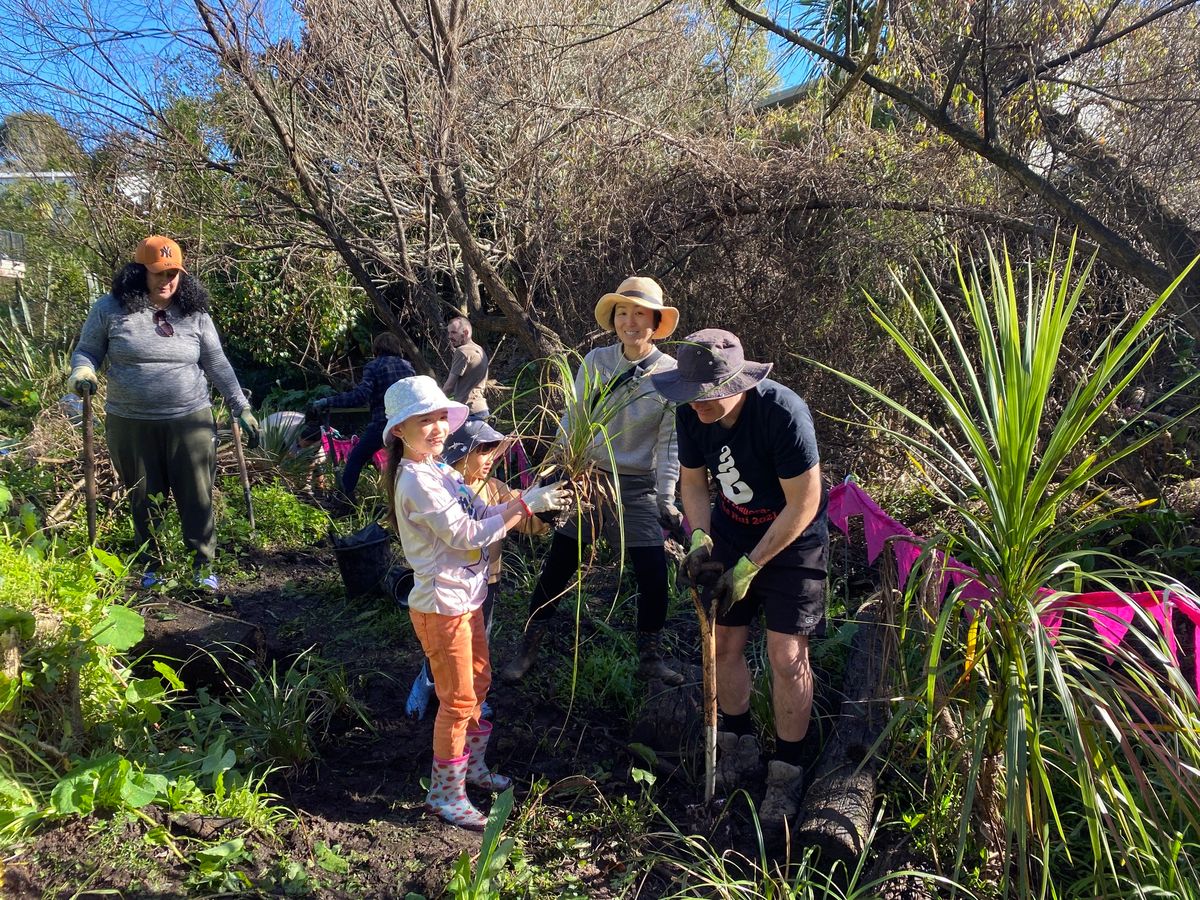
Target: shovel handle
pixel 89 466
pixel 236 432
pixel 708 665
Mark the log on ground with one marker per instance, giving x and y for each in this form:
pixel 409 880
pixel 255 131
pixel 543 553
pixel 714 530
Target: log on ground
pixel 838 809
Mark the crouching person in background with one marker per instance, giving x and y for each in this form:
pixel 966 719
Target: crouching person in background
pixel 446 532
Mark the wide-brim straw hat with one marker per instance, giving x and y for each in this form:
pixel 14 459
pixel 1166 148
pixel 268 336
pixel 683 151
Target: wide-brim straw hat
pixel 710 365
pixel 415 396
pixel 644 292
pixel 473 433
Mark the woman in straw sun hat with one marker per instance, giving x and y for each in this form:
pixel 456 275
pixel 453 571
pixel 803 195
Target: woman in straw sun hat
pixel 641 441
pixel 446 532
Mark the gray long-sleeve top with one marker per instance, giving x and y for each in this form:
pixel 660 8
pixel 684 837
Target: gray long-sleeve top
pixel 642 431
pixel 151 376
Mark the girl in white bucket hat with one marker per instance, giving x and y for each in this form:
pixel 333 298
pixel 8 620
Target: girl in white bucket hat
pixel 446 531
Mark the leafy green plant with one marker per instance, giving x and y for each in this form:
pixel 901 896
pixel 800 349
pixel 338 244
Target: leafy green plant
pixel 605 677
pixel 478 883
pixel 281 519
pixel 1048 732
pixel 214 867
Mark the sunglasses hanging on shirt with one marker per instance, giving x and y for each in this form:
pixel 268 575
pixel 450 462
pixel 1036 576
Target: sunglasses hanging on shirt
pixel 161 325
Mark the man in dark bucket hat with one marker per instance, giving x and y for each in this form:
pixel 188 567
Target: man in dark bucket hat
pixel 767 533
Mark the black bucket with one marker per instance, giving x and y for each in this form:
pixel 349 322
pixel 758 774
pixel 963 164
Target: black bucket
pixel 363 558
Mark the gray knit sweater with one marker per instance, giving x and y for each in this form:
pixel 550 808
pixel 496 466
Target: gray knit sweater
pixel 151 376
pixel 642 432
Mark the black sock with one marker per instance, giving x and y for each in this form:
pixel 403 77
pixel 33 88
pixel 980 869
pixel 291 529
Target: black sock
pixel 742 723
pixel 788 751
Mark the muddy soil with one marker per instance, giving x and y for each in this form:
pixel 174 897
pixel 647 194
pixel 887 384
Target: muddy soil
pixel 583 823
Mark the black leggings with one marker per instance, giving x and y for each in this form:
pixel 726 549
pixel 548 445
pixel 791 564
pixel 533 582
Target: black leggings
pixel 649 570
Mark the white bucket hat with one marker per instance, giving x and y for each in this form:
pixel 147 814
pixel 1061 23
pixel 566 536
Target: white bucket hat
pixel 415 396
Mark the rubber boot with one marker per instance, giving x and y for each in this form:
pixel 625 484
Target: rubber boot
pixel 418 696
pixel 447 796
pixel 516 669
pixel 652 667
pixel 478 773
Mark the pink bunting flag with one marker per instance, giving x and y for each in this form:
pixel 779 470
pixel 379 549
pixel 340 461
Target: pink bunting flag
pixel 1111 613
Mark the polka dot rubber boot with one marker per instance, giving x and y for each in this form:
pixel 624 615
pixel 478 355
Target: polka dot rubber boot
pixel 478 773
pixel 447 796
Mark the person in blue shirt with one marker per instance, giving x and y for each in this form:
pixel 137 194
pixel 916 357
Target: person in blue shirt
pixel 381 373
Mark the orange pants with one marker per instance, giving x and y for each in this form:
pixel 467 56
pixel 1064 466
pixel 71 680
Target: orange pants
pixel 457 648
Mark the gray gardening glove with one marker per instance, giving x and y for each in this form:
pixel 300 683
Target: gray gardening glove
pixel 82 380
pixel 547 498
pixel 669 515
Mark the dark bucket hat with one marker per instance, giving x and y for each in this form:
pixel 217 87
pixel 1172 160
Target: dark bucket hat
pixel 470 435
pixel 711 365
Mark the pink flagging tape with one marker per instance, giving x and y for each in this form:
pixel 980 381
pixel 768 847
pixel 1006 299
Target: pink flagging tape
pixel 1111 613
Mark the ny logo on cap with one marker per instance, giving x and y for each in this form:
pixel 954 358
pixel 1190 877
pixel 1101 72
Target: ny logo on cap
pixel 164 252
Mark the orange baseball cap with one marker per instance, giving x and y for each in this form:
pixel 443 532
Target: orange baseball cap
pixel 158 253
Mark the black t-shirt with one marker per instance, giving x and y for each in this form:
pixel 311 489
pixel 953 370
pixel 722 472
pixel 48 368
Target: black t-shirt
pixel 773 438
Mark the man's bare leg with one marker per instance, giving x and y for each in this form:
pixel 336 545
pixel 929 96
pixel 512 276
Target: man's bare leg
pixel 791 684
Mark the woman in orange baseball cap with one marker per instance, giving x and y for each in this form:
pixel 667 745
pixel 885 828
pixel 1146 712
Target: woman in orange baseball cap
pixel 155 332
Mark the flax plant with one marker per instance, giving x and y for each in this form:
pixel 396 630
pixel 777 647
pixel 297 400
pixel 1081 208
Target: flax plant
pixel 571 408
pixel 1076 761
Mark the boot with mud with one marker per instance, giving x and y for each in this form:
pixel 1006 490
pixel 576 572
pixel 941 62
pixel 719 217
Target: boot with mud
pixel 523 662
pixel 651 666
pixel 785 782
pixel 739 758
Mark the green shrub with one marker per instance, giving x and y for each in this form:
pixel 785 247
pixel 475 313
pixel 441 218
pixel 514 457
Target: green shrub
pixel 281 519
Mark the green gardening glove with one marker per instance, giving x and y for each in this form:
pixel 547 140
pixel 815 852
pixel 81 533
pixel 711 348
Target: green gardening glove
pixel 699 552
pixel 732 586
pixel 250 428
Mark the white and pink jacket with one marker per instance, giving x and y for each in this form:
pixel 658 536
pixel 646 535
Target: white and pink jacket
pixel 445 531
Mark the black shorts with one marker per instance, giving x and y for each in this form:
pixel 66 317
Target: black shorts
pixel 791 597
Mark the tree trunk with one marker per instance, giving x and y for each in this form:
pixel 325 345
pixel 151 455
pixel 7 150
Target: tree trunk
pixel 535 339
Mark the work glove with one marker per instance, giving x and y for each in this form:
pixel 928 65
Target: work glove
pixel 547 497
pixel 733 584
pixel 669 515
pixel 699 553
pixel 250 428
pixel 82 380
pixel 319 406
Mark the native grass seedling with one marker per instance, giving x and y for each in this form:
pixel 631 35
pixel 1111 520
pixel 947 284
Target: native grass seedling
pixel 699 869
pixel 281 718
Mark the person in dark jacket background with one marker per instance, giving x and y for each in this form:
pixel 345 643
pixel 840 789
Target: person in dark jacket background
pixel 381 373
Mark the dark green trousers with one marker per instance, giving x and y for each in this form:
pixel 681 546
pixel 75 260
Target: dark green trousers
pixel 161 458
